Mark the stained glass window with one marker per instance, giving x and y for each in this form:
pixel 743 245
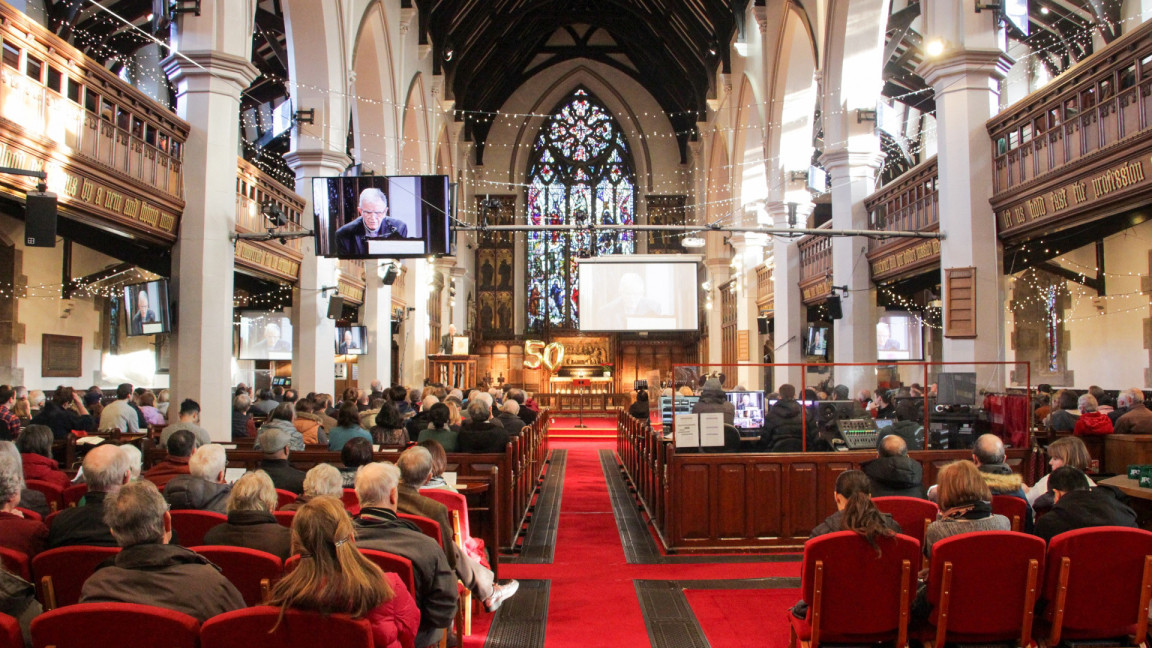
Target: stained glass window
pixel 580 172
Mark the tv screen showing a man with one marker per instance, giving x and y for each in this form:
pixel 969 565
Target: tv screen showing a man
pixel 350 340
pixel 265 336
pixel 147 307
pixel 381 216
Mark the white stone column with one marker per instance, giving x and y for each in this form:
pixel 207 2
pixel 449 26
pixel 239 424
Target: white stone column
pixel 414 332
pixel 853 179
pixel 789 314
pixel 719 266
pixel 749 255
pixel 460 304
pixel 208 87
pixel 376 315
pixel 313 334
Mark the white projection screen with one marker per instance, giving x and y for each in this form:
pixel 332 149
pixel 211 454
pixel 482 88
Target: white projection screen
pixel 640 295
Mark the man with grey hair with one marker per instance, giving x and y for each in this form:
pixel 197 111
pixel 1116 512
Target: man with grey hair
pixel 379 528
pixel 526 414
pixel 372 222
pixel 480 434
pixel 321 480
pixel 988 454
pixel 509 417
pixel 1138 419
pixel 151 570
pixel 241 418
pixel 203 489
pixel 106 470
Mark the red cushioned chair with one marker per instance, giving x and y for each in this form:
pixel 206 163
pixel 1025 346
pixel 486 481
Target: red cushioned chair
pixel 966 607
pixel 1097 584
pixel 250 570
pixel 53 493
pixel 285 517
pixel 51 518
pixel 99 625
pixel 284 497
pixel 16 562
pixel 250 627
pixel 911 513
pixel 30 514
pixel 427 526
pixel 190 526
pixel 11 636
pixel 73 494
pixel 398 565
pixel 1013 508
pixel 60 573
pixel 351 501
pixel 854 595
pixel 458 510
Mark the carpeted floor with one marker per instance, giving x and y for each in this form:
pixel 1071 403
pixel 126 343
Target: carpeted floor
pixel 743 618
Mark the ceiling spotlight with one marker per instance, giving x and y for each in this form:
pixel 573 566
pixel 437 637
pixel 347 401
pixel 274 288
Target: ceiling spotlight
pixel 448 54
pixel 692 242
pixel 1044 10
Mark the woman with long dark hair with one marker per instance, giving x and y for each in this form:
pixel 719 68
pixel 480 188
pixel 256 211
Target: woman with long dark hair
pixel 334 578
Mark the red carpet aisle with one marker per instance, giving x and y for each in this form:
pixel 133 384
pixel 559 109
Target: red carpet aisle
pixel 592 595
pixel 599 427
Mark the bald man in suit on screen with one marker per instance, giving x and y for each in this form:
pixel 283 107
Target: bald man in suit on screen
pixel 372 222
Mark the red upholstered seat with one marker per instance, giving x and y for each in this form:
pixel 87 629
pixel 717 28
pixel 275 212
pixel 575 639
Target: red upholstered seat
pixel 427 526
pixel 252 571
pixel 855 595
pixel 60 573
pixel 284 497
pixel 53 493
pixel 10 634
pixel 458 503
pixel 398 565
pixel 1013 508
pixel 1107 572
pixel 99 625
pixel 964 607
pixel 73 494
pixel 16 562
pixel 351 501
pixel 285 517
pixel 190 526
pixel 29 514
pixel 911 513
pixel 249 627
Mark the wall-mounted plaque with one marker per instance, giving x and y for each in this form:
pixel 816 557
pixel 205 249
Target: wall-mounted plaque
pixel 61 356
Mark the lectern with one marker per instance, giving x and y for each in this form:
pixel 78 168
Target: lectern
pixel 453 371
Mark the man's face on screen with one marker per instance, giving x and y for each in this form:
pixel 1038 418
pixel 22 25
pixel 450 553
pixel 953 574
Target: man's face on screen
pixel 142 301
pixel 373 212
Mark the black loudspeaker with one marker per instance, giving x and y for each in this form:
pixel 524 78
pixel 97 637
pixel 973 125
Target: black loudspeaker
pixel 390 275
pixel 335 307
pixel 395 327
pixel 40 220
pixel 832 305
pixel 762 325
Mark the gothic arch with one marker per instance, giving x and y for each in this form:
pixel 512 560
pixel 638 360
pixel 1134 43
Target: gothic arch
pixel 748 158
pixel 414 147
pixel 374 105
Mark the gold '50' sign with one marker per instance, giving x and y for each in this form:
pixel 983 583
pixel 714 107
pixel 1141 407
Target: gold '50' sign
pixel 537 353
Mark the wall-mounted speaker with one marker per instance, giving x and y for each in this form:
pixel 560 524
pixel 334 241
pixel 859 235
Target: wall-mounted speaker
pixel 762 325
pixel 395 327
pixel 390 275
pixel 832 305
pixel 335 307
pixel 40 220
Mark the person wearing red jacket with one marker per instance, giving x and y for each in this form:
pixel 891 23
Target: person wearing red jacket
pixel 1091 421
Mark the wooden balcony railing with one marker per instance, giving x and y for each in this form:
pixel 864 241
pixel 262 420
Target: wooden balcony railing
pixel 110 151
pixel 351 282
pixel 1087 120
pixel 765 288
pixel 254 190
pixel 816 266
pixel 909 203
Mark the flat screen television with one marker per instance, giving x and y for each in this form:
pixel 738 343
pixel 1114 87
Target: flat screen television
pixel 265 336
pixel 749 409
pixel 351 340
pixel 640 295
pixel 899 336
pixel 146 308
pixel 816 341
pixel 375 217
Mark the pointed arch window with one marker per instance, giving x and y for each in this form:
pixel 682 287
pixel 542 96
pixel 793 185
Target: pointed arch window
pixel 580 171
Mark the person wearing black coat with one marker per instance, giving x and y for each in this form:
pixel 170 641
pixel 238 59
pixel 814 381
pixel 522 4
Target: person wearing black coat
pixel 892 472
pixel 479 434
pixel 250 521
pixel 1079 506
pixel 640 409
pixel 784 425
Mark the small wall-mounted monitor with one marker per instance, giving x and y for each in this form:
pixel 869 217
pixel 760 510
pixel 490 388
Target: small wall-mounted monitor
pixel 899 336
pixel 816 341
pixel 351 340
pixel 147 309
pixel 749 409
pixel 265 336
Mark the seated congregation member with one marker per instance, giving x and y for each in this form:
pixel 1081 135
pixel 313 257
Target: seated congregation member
pixel 35 446
pixel 479 434
pixel 368 416
pixel 321 480
pixel 250 521
pixel 881 405
pixel 1092 422
pixel 321 405
pixel 892 472
pixel 335 578
pixel 389 426
pixel 17 532
pixel 64 413
pixel 242 424
pixel 148 569
pixel 907 424
pixel 9 422
pixel 309 425
pixel 439 429
pixel 203 489
pixel 181 444
pixel 106 470
pixel 713 401
pixel 439 465
pixel 357 452
pixel 265 403
pixel 190 421
pixel 275 443
pixel 988 454
pixel 527 414
pixel 29 499
pixel 378 527
pixel 1078 505
pixel 19 602
pixel 282 418
pixel 119 414
pixel 965 505
pixel 854 512
pixel 1102 399
pixel 784 424
pixel 147 405
pixel 135 460
pixel 639 409
pixel 398 396
pixel 1064 413
pixel 1065 451
pixel 420 420
pixel 509 417
pixel 347 427
pixel 1137 419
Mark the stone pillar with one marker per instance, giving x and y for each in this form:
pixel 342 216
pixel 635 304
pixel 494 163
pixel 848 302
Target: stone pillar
pixel 749 255
pixel 460 303
pixel 376 315
pixel 208 86
pixel 719 266
pixel 789 314
pixel 966 85
pixel 414 333
pixel 854 335
pixel 443 267
pixel 313 334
